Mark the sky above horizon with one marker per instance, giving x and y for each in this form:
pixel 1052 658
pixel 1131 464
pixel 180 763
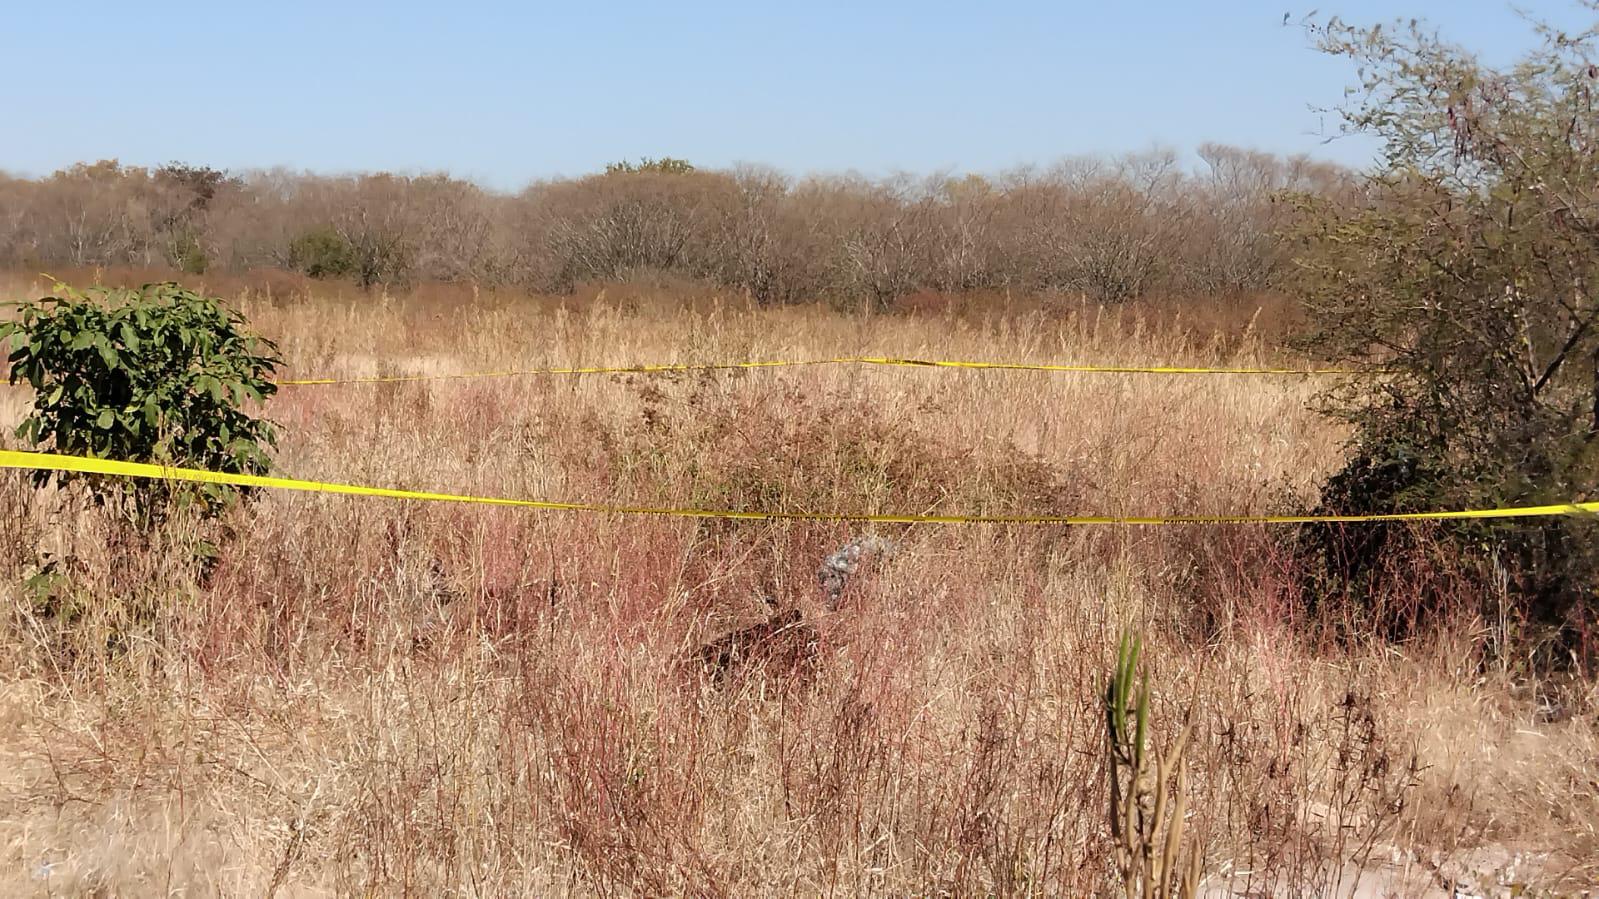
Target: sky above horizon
pixel 507 93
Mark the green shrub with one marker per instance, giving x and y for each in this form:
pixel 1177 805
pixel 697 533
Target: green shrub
pixel 322 253
pixel 1468 268
pixel 666 165
pixel 187 255
pixel 159 374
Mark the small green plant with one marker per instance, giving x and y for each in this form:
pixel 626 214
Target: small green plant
pixel 1146 807
pixel 157 374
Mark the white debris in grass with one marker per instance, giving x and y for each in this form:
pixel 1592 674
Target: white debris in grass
pixel 839 566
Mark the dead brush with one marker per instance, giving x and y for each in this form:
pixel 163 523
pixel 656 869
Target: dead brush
pixel 1146 807
pixel 785 642
pixel 1325 789
pixel 952 741
pixel 772 447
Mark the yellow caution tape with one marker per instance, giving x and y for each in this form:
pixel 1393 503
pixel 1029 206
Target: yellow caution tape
pixel 1110 369
pixel 844 360
pixel 54 462
pixel 596 370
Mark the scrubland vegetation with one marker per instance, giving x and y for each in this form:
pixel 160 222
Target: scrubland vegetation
pixel 302 694
pixel 1111 228
pixel 351 695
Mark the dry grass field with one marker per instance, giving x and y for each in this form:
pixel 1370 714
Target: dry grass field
pixel 373 697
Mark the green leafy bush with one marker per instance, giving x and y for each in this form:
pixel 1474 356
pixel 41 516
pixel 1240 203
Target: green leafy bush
pixel 158 374
pixel 666 165
pixel 186 254
pixel 1468 269
pixel 322 253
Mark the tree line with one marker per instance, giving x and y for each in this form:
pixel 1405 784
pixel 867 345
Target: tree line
pixel 1108 228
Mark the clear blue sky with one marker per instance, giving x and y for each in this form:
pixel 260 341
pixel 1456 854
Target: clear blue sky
pixel 508 92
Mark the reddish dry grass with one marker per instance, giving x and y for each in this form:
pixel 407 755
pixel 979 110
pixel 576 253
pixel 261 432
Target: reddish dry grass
pixel 365 696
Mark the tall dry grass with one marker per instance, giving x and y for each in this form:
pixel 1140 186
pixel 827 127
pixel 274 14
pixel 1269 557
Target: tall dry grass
pixel 381 698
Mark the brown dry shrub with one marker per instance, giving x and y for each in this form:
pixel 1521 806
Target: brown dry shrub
pixel 799 450
pixel 274 285
pixel 688 442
